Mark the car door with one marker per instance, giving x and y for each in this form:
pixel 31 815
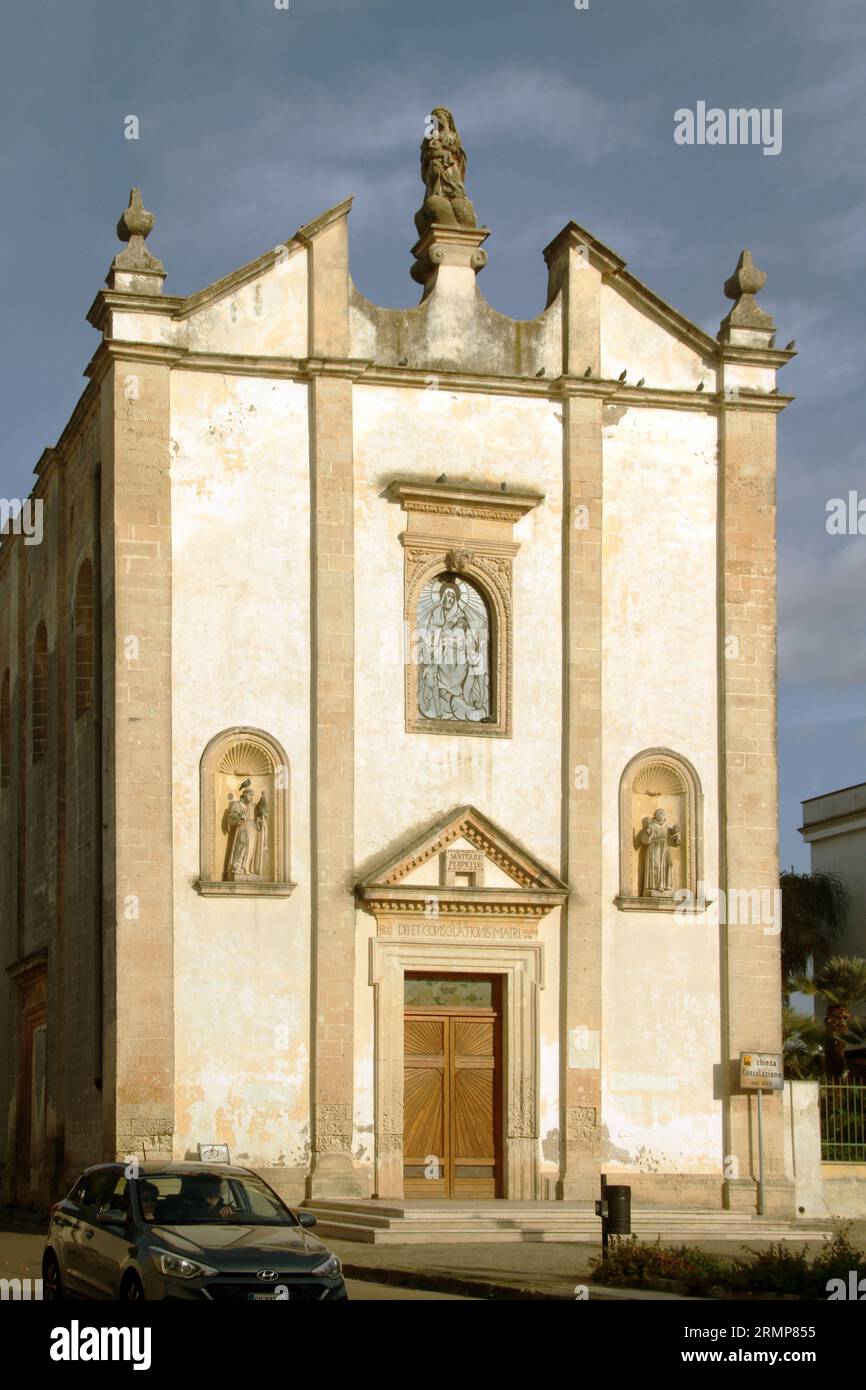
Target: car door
pixel 108 1247
pixel 92 1192
pixel 70 1227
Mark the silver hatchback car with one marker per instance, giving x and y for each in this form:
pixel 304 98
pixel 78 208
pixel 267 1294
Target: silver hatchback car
pixel 184 1230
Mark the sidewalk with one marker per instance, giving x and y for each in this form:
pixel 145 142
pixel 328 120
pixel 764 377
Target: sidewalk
pixel 538 1271
pixel 530 1270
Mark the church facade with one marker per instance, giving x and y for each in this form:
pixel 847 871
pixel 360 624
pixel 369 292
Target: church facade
pixel 388 727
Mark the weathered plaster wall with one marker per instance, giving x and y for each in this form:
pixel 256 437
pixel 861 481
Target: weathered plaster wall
pixel 240 490
pixel 633 341
pixel 661 1033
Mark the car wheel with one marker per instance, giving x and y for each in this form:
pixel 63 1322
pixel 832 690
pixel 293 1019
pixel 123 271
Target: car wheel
pixel 132 1289
pixel 52 1284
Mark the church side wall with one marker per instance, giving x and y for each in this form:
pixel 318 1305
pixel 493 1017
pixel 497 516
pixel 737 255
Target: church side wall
pixel 49 836
pixel 241 657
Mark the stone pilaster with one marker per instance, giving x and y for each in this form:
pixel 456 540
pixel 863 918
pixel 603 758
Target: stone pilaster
pixel 333 636
pixel 576 274
pixel 749 848
pixel 138 1071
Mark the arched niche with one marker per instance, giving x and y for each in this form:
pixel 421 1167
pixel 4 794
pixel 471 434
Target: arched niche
pixel 244 816
pixel 661 832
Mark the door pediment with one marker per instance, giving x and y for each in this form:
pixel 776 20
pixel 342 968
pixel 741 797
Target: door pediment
pixel 461 866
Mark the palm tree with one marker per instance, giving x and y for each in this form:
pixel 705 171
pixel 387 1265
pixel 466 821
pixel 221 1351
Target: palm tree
pixel 841 983
pixel 814 909
pixel 802 1044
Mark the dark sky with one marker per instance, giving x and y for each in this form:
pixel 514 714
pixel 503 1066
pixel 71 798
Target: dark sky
pixel 254 119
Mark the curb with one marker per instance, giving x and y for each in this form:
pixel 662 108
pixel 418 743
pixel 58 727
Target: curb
pixel 488 1290
pixel 445 1283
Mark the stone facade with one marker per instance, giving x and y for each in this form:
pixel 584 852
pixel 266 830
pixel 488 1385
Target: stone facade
pixel 264 477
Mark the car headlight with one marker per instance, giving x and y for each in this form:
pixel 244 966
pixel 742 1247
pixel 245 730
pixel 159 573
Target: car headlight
pixel 178 1266
pixel 330 1269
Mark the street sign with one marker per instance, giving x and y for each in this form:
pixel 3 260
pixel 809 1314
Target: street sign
pixel 761 1071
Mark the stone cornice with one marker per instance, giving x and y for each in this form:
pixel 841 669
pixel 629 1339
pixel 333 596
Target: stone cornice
pixel 414 901
pixel 364 373
pixel 306 234
pixel 125 301
pixel 755 356
pixel 465 501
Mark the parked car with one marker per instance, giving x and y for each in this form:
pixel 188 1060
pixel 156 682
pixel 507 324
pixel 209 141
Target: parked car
pixel 184 1230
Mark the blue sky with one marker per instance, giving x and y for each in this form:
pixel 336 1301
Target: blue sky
pixel 254 119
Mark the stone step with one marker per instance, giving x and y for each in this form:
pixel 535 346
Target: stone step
pixel 494 1222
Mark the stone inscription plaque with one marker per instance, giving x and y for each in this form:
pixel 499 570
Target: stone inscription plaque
pixel 456 930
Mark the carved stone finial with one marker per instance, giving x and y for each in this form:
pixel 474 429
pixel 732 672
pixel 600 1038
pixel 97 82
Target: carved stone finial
pixel 443 170
pixel 746 279
pixel 135 268
pixel 746 315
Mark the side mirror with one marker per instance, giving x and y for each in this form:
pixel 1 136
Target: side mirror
pixel 111 1217
pixel 306 1218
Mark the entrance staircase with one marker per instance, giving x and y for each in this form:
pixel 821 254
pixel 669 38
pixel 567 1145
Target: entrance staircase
pixel 425 1222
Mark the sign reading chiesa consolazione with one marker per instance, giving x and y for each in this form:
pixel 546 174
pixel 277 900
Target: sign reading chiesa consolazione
pixel 761 1071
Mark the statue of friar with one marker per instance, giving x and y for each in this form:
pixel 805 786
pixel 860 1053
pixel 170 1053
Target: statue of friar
pixel 443 169
pixel 658 866
pixel 248 834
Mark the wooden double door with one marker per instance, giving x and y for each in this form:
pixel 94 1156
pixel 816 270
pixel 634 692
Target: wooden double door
pixel 452 1095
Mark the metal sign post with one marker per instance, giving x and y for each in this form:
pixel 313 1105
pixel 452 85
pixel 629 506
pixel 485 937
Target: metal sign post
pixel 761 1071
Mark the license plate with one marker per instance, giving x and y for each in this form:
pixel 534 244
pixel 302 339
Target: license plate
pixel 270 1297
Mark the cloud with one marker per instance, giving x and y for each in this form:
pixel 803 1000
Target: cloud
pixel 822 627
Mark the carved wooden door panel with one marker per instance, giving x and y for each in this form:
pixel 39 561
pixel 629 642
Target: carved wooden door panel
pixel 473 1107
pixel 452 1104
pixel 426 1122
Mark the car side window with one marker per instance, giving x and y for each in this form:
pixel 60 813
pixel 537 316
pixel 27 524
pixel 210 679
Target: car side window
pixel 88 1189
pixel 115 1196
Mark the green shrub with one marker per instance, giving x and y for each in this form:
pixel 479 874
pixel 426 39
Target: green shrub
pixel 631 1263
pixel 779 1269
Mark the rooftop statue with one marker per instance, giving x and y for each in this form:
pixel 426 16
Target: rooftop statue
pixel 443 169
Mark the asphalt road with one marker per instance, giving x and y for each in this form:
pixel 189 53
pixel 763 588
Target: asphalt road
pixel 21 1257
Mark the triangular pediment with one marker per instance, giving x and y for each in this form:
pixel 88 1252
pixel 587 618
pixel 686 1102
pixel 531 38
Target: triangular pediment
pixel 465 852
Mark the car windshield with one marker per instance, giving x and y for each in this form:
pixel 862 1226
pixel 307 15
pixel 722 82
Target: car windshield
pixel 180 1199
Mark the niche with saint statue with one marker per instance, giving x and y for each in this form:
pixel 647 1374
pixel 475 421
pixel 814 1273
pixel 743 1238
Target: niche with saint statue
pixel 244 820
pixel 660 832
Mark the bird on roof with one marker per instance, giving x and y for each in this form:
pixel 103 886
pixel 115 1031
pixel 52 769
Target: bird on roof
pixel 588 371
pixel 642 381
pixel 622 376
pixel 789 347
pixel 700 386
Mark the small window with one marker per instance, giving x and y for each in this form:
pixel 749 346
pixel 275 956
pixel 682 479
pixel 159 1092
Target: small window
pixel 445 994
pixel 5 733
pixel 84 628
pixel 39 697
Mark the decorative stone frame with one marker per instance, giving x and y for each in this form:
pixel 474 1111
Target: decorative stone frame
pixel 522 968
pixel 672 765
pixel 467 532
pixel 270 757
pixel 473 930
